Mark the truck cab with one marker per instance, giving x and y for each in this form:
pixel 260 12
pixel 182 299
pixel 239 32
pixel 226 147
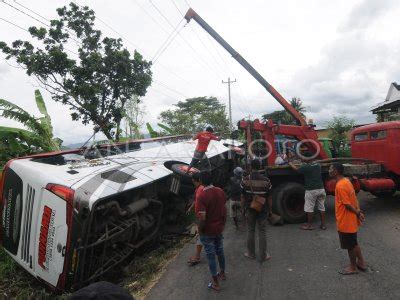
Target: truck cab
pixel 379 142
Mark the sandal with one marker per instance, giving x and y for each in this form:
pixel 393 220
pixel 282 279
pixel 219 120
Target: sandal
pixel 211 286
pixel 346 272
pixel 323 227
pixel 193 261
pixel 362 269
pixel 221 276
pixel 307 227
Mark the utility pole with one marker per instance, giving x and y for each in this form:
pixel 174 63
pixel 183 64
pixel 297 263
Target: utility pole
pixel 229 95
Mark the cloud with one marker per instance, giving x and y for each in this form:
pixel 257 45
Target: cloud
pixel 365 13
pixel 4 68
pixel 354 72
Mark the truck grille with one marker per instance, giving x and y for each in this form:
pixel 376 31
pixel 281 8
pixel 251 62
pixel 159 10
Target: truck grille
pixel 27 223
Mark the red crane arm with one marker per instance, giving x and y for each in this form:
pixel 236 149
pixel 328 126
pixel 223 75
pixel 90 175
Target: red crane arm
pixel 191 14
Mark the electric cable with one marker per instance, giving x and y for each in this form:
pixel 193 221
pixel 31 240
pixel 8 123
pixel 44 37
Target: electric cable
pixel 20 27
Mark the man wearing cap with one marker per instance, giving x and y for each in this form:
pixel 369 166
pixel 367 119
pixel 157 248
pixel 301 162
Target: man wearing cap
pixel 203 140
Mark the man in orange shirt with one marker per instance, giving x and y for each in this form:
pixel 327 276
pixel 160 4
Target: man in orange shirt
pixel 203 139
pixel 348 218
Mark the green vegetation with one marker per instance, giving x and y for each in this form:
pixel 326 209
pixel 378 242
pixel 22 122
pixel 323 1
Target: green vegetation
pixel 194 114
pixel 283 117
pixel 16 283
pixel 97 81
pixel 339 129
pixel 133 115
pixel 37 137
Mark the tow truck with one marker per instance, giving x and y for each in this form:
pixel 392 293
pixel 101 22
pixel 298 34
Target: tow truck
pixel 288 196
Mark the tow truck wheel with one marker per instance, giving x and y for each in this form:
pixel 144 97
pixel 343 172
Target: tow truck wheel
pixel 288 201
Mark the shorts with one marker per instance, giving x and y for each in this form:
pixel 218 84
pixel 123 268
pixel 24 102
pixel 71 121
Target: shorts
pixel 348 241
pixel 198 157
pixel 313 197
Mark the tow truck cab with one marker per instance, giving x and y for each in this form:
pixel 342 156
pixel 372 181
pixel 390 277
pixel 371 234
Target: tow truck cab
pixel 379 142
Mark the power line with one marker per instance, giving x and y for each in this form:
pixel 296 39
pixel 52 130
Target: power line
pixel 136 46
pixel 44 18
pixel 167 42
pixel 198 37
pixel 184 40
pixel 20 27
pixel 150 16
pixel 34 18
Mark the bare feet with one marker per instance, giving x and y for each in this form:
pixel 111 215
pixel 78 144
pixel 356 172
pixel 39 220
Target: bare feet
pixel 248 255
pixel 307 226
pixel 266 258
pixel 349 271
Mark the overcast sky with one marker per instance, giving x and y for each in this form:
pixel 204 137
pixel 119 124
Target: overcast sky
pixel 338 56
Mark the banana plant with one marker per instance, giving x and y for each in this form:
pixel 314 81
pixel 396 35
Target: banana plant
pixel 37 135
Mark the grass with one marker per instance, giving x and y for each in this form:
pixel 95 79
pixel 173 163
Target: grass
pixel 138 276
pixel 17 283
pixel 146 270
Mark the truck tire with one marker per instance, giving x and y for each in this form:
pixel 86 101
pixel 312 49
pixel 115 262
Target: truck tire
pixel 288 201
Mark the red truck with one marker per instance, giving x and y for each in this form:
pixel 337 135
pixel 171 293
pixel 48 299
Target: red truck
pixel 380 142
pixel 374 166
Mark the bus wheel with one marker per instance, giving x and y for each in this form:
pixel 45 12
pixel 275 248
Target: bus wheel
pixel 288 201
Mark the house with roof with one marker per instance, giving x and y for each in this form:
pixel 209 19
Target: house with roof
pixel 389 109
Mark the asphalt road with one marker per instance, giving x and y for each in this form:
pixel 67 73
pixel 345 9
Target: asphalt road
pixel 304 264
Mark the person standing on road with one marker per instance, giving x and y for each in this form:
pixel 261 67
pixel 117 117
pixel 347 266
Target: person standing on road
pixel 315 191
pixel 211 213
pixel 203 140
pixel 235 195
pixel 194 260
pixel 348 218
pixel 256 184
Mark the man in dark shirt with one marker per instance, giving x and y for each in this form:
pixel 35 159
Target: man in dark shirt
pixel 211 213
pixel 256 184
pixel 315 192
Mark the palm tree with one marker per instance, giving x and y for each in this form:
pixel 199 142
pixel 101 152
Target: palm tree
pixel 298 105
pixel 37 137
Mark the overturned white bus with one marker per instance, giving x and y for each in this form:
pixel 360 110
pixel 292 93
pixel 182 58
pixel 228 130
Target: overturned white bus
pixel 69 217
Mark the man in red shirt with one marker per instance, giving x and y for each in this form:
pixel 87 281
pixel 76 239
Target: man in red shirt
pixel 194 260
pixel 211 213
pixel 203 139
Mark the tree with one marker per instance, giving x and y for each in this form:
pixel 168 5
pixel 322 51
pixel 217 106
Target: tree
pixel 194 114
pixel 165 130
pixel 133 114
pixel 96 85
pixel 339 127
pixel 37 137
pixel 283 117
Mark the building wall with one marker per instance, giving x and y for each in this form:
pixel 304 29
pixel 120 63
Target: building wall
pixel 325 132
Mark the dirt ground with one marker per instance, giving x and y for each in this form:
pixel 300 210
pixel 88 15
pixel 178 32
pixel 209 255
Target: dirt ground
pixel 304 264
